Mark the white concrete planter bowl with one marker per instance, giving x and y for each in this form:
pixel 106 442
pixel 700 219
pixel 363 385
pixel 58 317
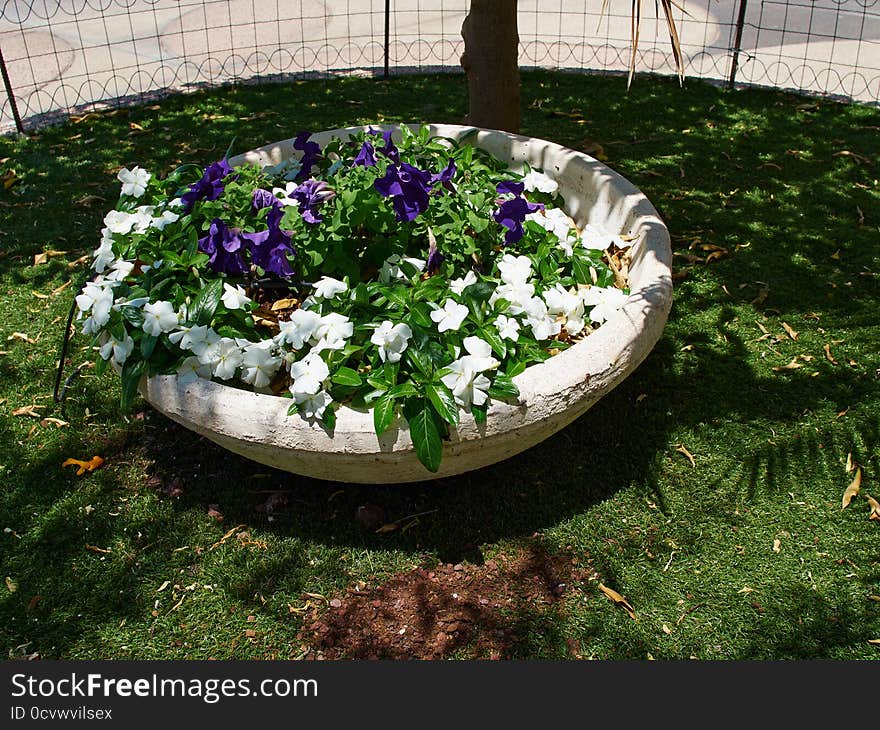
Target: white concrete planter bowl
pixel 552 394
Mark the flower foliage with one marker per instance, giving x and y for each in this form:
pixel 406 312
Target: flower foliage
pixel 411 275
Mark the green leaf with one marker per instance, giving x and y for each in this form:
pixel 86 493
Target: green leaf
pixel 421 315
pixel 443 400
pixel 148 344
pixel 134 315
pixel 329 417
pixel 346 376
pixel 479 292
pixel 503 387
pixel 420 360
pixel 383 413
pixel 479 413
pixel 426 437
pixel 205 304
pixel 581 270
pixel 490 335
pixel 132 372
pixel 404 390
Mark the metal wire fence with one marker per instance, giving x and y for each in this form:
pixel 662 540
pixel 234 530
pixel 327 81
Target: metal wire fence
pixel 66 56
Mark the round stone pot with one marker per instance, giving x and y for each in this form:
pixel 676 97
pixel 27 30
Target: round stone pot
pixel 552 393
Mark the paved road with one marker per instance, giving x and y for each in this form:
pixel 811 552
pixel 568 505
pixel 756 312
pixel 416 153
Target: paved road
pixel 65 53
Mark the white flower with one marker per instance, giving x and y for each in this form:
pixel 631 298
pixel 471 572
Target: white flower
pixel 97 298
pixel 559 301
pixel 308 374
pixel 604 302
pixel 313 405
pixel 519 295
pixel 299 329
pixel 553 219
pixel 259 364
pixel 328 288
pixel 134 181
pixel 224 357
pixel 450 317
pixel 191 369
pixel 598 239
pixel 459 285
pixel 567 245
pixel 515 269
pixel 543 325
pixel 159 317
pixel 541 182
pixel 119 350
pixel 332 332
pixel 104 255
pixel 194 337
pixel 142 218
pixel 234 297
pixel 391 339
pixel 468 385
pixel 283 194
pixel 117 221
pixel 390 268
pixel 120 270
pixel 508 328
pixel 159 223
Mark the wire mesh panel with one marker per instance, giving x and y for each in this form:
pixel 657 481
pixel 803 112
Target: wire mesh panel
pixel 70 55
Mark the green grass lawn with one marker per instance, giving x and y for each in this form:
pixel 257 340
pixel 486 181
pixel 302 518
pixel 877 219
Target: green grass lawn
pixel 747 554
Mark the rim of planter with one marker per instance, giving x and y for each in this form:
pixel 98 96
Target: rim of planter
pixel 552 393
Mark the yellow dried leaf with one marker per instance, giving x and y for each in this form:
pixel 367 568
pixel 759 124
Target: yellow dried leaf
pixel 777 545
pixel 789 331
pixel 50 421
pixel 28 411
pixel 793 365
pixel 11 585
pixel 666 629
pixel 828 354
pixel 690 457
pixel 618 600
pixel 40 295
pixel 849 462
pixel 21 336
pixel 163 586
pixel 875 508
pixel 80 260
pixel 42 258
pixel 284 304
pixel 96 549
pixel 9 178
pixel 58 289
pixel 83 466
pixel 874 642
pixel 746 590
pixel 390 527
pixel 852 490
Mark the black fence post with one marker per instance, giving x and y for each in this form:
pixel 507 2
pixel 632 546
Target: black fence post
pixel 9 93
pixel 737 43
pixel 387 34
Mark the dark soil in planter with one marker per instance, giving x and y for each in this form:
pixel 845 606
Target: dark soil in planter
pixel 462 610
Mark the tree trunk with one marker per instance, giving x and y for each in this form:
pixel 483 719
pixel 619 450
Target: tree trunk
pixel 490 59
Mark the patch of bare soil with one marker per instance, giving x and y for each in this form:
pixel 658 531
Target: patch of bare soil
pixel 463 610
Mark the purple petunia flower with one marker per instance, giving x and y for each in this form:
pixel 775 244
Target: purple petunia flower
pixel 511 187
pixel 435 258
pixel 444 177
pixel 366 157
pixel 390 149
pixel 225 244
pixel 264 199
pixel 270 251
pixel 309 195
pixel 210 187
pixel 408 187
pixel 311 153
pixel 511 214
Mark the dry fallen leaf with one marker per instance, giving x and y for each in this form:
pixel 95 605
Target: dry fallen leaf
pixel 40 295
pixel 849 462
pixel 96 549
pixel 163 586
pixel 42 258
pixel 83 466
pixel 793 365
pixel 28 411
pixel 21 336
pixel 852 490
pixel 789 331
pixel 50 421
pixel 777 545
pixel 875 508
pixel 666 629
pixel 682 450
pixel 282 304
pixel 828 354
pixel 618 599
pixel 746 590
pixel 11 585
